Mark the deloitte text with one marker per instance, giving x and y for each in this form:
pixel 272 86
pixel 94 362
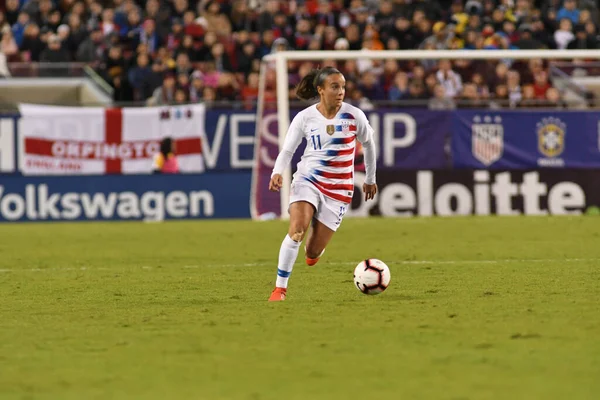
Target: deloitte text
pixel 461 192
pixel 37 204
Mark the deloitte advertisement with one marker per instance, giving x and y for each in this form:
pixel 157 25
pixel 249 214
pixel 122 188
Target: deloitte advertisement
pixel 482 192
pixel 131 197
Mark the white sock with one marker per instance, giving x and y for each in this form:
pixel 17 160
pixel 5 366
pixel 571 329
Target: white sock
pixel 287 257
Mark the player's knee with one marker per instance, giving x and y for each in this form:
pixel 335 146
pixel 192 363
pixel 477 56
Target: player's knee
pixel 297 235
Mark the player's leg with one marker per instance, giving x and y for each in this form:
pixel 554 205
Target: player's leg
pixel 317 240
pixel 327 220
pixel 301 213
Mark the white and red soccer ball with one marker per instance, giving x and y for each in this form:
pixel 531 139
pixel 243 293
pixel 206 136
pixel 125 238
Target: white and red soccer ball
pixel 371 276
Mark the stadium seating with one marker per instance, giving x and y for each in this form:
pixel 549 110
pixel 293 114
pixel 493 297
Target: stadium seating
pixel 161 52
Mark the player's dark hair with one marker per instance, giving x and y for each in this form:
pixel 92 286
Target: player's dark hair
pixel 307 88
pixel 166 147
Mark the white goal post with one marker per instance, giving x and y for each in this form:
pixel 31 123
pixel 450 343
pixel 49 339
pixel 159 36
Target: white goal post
pixel 281 58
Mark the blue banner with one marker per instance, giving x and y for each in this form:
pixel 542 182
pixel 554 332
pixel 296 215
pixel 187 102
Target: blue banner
pixel 525 139
pixel 128 197
pixel 407 139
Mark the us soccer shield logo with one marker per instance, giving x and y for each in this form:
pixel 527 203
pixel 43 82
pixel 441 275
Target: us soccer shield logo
pixel 487 139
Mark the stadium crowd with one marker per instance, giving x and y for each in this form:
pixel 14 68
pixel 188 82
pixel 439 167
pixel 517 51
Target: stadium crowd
pixel 177 51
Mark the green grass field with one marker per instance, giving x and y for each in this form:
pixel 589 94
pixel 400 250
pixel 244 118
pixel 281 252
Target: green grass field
pixel 478 308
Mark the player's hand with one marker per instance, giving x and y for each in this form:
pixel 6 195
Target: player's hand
pixel 369 190
pixel 276 183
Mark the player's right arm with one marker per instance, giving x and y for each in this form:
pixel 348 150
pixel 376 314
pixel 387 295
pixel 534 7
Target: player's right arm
pixel 292 141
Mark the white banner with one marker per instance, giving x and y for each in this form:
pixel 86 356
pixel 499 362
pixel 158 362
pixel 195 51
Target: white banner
pixel 94 140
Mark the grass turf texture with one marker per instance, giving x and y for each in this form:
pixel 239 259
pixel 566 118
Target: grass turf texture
pixel 478 308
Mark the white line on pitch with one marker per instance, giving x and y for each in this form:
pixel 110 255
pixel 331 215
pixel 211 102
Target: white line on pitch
pixel 402 262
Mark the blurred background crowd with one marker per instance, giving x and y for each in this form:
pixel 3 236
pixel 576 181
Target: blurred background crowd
pixel 178 51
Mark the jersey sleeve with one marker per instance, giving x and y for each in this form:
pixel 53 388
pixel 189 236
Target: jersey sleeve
pixel 364 131
pixel 364 134
pixel 292 140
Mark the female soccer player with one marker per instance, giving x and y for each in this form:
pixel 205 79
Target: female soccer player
pixel 323 184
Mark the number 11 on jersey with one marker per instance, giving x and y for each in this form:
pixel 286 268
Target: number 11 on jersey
pixel 316 141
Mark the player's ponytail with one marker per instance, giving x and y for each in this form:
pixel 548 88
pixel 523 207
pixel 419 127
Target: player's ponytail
pixel 307 88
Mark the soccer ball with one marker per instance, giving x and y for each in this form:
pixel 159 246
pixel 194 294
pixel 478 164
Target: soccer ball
pixel 372 276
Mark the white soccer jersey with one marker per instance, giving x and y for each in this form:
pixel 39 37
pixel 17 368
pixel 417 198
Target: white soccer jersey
pixel 328 161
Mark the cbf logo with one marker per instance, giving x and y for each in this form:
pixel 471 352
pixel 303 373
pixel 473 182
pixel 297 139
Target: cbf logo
pixel 487 139
pixel 551 136
pixel 551 133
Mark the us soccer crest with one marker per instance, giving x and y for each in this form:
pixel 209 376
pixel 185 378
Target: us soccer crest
pixel 551 136
pixel 487 139
pixel 330 129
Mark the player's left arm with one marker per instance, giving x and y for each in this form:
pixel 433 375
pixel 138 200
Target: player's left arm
pixel 364 135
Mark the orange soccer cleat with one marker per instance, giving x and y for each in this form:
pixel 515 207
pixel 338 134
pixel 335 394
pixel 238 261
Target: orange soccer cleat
pixel 312 261
pixel 278 294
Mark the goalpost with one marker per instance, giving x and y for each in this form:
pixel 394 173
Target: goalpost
pixel 262 205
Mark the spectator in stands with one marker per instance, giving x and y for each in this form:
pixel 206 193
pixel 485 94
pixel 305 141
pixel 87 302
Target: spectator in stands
pixel 8 44
pixel 500 98
pixel 183 64
pixel 215 20
pixel 249 92
pixel 246 55
pixel 528 99
pixel 526 40
pixel 196 87
pixel 513 85
pixel 181 96
pixel 122 91
pixel 32 45
pixel 240 17
pixel 148 36
pixel 451 81
pixel 164 94
pixel 469 97
pixel 480 85
pixel 92 49
pixel 564 35
pixel 165 161
pixel 541 85
pixel 114 63
pixel 441 37
pixel 581 40
pixel 440 101
pixel 553 99
pixel 220 58
pixel 141 78
pixel 11 13
pixel 569 11
pixel 54 53
pixel 371 86
pixel 416 91
pixel 209 94
pixel 18 29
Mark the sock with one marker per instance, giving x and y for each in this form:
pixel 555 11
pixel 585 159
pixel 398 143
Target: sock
pixel 287 257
